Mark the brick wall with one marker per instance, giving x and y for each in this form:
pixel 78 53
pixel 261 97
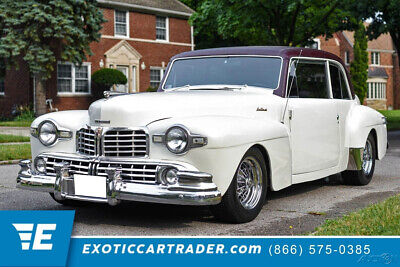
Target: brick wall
pixel 396 81
pixel 17 89
pixel 141 26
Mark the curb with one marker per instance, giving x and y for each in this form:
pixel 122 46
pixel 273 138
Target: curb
pixel 9 162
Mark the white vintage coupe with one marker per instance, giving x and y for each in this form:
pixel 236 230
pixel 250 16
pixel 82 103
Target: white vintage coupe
pixel 226 125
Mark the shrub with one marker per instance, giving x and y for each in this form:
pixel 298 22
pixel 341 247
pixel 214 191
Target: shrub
pixel 151 89
pixel 104 78
pixel 23 113
pixel 108 77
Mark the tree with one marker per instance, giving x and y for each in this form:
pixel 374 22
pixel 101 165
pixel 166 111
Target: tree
pixel 44 31
pixel 359 66
pixel 268 22
pixel 385 15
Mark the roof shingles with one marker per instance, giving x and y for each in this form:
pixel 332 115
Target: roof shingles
pixel 172 5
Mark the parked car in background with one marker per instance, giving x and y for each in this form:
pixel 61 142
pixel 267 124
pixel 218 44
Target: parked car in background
pixel 226 125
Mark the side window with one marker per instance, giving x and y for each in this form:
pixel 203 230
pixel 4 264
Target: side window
pixel 308 79
pixel 338 82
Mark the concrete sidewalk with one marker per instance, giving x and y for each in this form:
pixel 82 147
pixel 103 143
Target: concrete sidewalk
pixel 20 131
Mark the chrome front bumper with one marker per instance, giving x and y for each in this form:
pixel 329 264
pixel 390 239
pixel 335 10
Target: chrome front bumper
pixel 192 188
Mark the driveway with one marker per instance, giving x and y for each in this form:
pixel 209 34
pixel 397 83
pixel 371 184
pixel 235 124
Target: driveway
pixel 295 210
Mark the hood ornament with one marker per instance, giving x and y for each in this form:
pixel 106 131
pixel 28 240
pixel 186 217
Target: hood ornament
pixel 108 94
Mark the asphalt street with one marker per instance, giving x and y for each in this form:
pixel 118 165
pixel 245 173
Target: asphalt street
pixel 292 211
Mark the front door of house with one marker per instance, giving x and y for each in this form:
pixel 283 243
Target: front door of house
pixel 124 88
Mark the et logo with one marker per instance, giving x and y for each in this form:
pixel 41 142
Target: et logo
pixel 25 231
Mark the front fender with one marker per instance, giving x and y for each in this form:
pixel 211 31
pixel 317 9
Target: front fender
pixel 226 131
pixel 72 120
pixel 360 122
pixel 228 140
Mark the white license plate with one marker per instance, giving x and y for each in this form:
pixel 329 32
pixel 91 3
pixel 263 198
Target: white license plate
pixel 90 186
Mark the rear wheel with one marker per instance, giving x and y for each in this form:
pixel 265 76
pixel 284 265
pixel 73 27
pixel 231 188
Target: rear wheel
pixel 363 176
pixel 246 194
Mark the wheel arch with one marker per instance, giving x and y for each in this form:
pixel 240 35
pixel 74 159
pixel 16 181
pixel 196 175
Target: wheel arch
pixel 267 161
pixel 374 135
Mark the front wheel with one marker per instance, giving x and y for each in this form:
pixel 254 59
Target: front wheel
pixel 246 194
pixel 363 176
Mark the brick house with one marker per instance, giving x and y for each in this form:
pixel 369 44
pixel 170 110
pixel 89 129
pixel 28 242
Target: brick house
pixel 383 71
pixel 139 38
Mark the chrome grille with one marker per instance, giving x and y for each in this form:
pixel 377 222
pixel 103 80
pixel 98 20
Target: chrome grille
pixel 86 142
pixel 76 166
pixel 125 143
pixel 138 172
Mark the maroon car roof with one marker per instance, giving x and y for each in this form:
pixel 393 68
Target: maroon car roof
pixel 282 51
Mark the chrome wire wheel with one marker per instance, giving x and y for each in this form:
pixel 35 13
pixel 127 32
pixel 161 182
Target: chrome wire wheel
pixel 367 158
pixel 249 183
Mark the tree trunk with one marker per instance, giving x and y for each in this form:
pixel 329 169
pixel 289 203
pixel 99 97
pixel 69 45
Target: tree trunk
pixel 40 96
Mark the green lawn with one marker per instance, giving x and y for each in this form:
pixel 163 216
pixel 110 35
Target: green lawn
pixel 11 152
pixel 15 123
pixel 393 118
pixel 378 219
pixel 7 138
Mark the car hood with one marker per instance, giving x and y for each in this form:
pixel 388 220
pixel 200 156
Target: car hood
pixel 143 108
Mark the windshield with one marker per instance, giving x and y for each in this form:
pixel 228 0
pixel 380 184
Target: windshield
pixel 233 70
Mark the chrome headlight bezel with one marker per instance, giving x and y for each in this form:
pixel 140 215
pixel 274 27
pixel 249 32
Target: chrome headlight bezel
pixel 53 132
pixel 184 137
pixel 60 133
pixel 193 140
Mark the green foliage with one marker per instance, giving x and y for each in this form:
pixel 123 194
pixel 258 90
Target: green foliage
pixel 393 118
pixel 359 67
pixel 378 219
pixel 151 89
pixel 25 113
pixel 42 31
pixel 108 77
pixel 385 16
pixel 12 152
pixel 264 22
pixel 8 138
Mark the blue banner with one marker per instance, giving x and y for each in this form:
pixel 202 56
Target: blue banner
pixel 291 251
pixel 42 238
pixel 35 238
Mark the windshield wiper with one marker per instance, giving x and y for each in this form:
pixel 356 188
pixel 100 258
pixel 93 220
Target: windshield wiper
pixel 177 88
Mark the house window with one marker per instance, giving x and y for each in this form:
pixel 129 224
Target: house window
pixel 73 79
pixel 376 90
pixel 121 23
pixel 1 86
pixel 162 28
pixel 347 57
pixel 375 58
pixel 156 74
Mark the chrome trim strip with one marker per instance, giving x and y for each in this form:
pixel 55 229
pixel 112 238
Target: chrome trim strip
pixel 355 159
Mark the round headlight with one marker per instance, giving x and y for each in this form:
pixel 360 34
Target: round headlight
pixel 40 165
pixel 177 140
pixel 48 133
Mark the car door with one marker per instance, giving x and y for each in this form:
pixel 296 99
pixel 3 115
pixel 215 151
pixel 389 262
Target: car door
pixel 313 117
pixel 342 96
